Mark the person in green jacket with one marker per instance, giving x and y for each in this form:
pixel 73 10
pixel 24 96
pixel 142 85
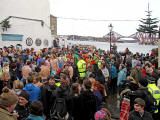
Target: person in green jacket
pixel 76 57
pixel 136 72
pixel 8 101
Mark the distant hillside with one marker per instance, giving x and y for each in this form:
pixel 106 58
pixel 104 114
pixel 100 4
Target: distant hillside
pixel 99 39
pixel 84 38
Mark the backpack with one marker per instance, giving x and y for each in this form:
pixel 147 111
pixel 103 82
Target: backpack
pixel 59 110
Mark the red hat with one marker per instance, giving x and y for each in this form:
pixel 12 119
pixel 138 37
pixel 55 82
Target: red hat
pixel 93 63
pixel 97 54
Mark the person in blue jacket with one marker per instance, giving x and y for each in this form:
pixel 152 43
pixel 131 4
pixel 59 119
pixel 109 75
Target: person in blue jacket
pixel 33 91
pixel 121 75
pixel 36 111
pixel 113 77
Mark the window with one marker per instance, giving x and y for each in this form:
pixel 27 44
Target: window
pixel 11 37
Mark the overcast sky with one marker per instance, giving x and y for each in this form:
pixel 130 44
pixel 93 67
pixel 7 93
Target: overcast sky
pixel 101 10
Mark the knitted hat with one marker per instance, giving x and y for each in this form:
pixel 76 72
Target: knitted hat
pixel 99 115
pixel 139 101
pixel 25 95
pixel 103 114
pixel 8 98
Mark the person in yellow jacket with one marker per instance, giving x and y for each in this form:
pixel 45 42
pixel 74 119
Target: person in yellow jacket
pixel 99 64
pixel 81 67
pixel 155 91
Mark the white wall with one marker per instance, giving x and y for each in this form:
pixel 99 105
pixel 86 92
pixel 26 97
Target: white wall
pixel 32 29
pixel 33 9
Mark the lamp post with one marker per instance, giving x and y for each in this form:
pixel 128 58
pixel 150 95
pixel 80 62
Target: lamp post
pixel 110 29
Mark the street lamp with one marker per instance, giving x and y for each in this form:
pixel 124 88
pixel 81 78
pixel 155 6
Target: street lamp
pixel 110 29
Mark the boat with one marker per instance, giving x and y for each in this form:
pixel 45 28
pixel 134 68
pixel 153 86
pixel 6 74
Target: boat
pixel 127 40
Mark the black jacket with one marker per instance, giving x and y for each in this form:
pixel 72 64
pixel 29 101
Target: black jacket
pixel 4 84
pixel 75 73
pixel 72 105
pixel 86 106
pixel 23 112
pixel 133 86
pixel 13 76
pixel 136 116
pixel 1 86
pixel 46 98
pixel 62 91
pixel 100 77
pixel 144 94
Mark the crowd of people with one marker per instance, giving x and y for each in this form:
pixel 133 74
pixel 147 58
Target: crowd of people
pixel 73 84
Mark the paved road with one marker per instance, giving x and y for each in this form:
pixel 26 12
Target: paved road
pixel 113 105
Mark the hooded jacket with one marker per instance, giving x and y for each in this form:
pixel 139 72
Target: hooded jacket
pixel 33 91
pixel 5 115
pixel 113 72
pixel 86 106
pixel 46 98
pixel 121 76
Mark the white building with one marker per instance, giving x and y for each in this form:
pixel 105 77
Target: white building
pixel 29 22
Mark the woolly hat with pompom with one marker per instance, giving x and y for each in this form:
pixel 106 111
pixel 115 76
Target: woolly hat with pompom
pixel 103 114
pixel 8 98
